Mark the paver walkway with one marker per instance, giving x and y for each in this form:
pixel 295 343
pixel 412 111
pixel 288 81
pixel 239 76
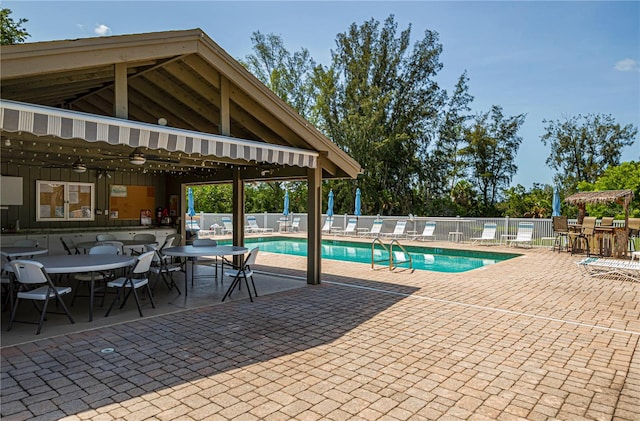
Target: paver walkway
pixel 528 338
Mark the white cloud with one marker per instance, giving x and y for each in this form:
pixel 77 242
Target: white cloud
pixel 626 65
pixel 102 30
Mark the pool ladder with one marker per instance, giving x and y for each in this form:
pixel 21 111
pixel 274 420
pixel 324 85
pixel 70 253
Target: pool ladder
pixel 392 262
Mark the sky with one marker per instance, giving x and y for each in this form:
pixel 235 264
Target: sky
pixel 548 60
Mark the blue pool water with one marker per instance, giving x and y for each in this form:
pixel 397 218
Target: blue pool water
pixel 424 258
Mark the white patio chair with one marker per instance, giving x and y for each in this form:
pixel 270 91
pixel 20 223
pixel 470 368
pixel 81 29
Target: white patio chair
pixel 29 273
pixel 164 266
pixel 398 231
pixel 243 272
pixel 255 228
pixel 137 277
pixel 375 230
pixel 295 224
pixel 488 234
pixel 427 233
pixel 227 225
pixel 524 235
pixel 105 237
pixel 101 248
pixel 350 229
pixel 328 225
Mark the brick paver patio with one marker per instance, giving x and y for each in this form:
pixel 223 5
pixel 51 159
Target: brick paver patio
pixel 529 338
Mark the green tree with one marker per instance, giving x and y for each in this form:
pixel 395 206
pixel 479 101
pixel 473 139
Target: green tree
pixel 492 144
pixel 288 75
pixel 12 31
pixel 378 102
pixel 519 203
pixel 625 176
pixel 583 147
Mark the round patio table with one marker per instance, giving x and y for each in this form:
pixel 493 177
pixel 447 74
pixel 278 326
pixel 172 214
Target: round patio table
pixel 12 252
pixel 77 263
pixel 191 252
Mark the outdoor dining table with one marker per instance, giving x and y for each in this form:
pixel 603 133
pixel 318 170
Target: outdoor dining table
pixel 12 252
pixel 192 252
pixel 78 263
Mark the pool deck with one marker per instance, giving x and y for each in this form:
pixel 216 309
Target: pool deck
pixel 525 339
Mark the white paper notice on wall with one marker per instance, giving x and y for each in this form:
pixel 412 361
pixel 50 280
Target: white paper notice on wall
pixel 10 191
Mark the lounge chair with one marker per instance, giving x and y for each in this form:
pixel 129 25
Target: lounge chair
pixel 228 225
pixel 427 232
pixel 398 231
pixel 295 224
pixel 610 268
pixel 524 235
pixel 328 224
pixel 255 228
pixel 488 234
pixel 349 230
pixel 375 231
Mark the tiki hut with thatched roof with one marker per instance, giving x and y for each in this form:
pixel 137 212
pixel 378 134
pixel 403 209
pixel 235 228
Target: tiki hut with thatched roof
pixel 621 197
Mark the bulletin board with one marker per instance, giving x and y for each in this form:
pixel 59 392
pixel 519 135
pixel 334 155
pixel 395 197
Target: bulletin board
pixel 126 202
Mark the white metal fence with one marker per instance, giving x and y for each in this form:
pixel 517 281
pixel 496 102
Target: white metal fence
pixel 468 227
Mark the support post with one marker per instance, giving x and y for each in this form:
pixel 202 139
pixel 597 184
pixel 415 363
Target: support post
pixel 314 233
pixel 238 213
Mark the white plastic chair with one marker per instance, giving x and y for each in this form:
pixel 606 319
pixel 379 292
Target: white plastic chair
pixel 163 265
pixel 137 277
pixel 350 229
pixel 105 237
pixel 254 227
pixel 29 273
pixel 328 223
pixel 243 272
pixel 488 234
pixel 206 261
pixel 398 231
pixel 376 229
pixel 428 232
pixel 97 276
pixel 524 235
pixel 228 225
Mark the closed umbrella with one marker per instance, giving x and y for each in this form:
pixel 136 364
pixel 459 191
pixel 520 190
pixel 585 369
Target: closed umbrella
pixel 330 204
pixel 556 202
pixel 358 210
pixel 285 212
pixel 190 207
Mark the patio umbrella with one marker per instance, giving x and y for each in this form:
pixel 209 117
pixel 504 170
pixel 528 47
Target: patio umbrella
pixel 330 204
pixel 358 210
pixel 190 207
pixel 285 212
pixel 556 202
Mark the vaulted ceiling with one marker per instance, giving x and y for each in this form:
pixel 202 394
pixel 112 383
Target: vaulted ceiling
pixel 182 77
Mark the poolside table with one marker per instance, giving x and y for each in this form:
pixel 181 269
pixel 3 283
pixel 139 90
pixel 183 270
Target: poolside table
pixel 12 252
pixel 78 263
pixel 191 252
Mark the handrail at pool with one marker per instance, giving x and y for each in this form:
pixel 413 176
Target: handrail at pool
pixel 392 262
pixel 373 246
pixel 389 249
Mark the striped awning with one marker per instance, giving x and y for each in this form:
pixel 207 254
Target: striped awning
pixel 65 124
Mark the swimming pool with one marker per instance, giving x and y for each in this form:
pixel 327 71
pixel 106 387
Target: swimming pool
pixel 424 258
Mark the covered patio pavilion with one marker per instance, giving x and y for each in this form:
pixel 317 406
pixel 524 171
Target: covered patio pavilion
pixel 165 110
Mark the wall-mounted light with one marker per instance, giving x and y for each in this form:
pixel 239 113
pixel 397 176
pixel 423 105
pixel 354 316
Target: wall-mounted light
pixel 137 158
pixel 103 173
pixel 7 142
